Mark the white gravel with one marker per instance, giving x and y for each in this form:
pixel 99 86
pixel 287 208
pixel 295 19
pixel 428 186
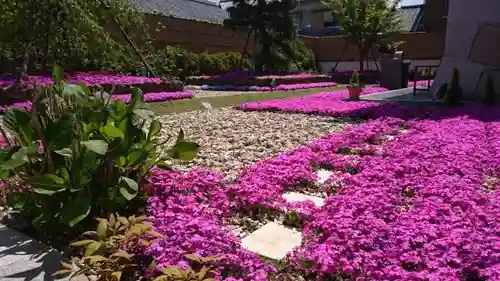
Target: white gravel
pixel 230 139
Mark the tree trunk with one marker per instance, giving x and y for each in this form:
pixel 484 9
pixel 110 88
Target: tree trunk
pixel 361 59
pixel 28 36
pixel 245 48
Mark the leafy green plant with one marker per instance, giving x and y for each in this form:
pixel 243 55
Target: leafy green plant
pixel 454 93
pixel 293 219
pixel 354 81
pixel 490 97
pixel 201 269
pixel 109 252
pixel 79 154
pixel 366 23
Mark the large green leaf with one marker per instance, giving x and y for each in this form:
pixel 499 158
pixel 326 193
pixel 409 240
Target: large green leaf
pixel 49 184
pixel 128 188
pixel 97 146
pixel 132 184
pixel 17 200
pixel 76 210
pixel 57 73
pixel 18 122
pixel 184 150
pixel 59 133
pixel 111 132
pixel 154 129
pixel 17 159
pixel 67 152
pixel 73 91
pixel 137 97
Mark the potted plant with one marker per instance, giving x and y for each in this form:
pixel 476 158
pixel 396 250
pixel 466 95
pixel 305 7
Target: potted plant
pixel 354 86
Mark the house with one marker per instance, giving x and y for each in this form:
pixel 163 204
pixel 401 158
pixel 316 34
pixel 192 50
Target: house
pixel 314 18
pixel 198 10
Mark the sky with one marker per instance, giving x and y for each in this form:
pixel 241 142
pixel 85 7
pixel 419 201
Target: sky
pixel 411 2
pixel 404 2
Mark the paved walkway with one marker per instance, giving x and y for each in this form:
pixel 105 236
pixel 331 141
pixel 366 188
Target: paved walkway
pixel 25 259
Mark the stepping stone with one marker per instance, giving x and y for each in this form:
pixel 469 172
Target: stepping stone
pixel 207 105
pixel 323 176
pixel 272 240
pixel 300 197
pixel 23 258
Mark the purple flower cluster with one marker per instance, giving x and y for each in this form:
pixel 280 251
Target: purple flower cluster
pixel 327 103
pixel 149 97
pixel 282 87
pixel 417 211
pixel 412 202
pixel 25 105
pixel 89 78
pixel 156 97
pixel 189 210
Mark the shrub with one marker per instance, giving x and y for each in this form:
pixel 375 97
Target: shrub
pixel 80 154
pixel 490 97
pixel 454 93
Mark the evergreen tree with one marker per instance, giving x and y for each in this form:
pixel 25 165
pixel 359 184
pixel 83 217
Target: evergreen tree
pixel 272 23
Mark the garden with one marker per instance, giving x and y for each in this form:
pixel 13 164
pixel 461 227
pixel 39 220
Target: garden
pixel 166 165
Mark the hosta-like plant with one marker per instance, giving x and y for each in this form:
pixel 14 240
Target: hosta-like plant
pixel 79 154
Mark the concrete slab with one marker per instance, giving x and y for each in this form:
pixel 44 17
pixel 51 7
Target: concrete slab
pixel 323 175
pixel 272 240
pixel 25 259
pixel 300 197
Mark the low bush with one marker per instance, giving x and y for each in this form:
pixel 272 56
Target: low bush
pixel 78 154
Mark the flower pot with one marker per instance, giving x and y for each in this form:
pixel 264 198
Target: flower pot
pixel 354 92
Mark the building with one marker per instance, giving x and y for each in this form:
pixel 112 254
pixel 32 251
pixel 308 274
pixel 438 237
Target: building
pixel 198 10
pixel 472 46
pixel 314 18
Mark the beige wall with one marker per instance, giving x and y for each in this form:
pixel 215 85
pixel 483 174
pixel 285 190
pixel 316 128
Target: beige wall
pixel 199 36
pixel 472 45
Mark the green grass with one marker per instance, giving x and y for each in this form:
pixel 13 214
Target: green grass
pixel 178 106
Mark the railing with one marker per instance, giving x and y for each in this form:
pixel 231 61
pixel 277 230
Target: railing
pixel 329 31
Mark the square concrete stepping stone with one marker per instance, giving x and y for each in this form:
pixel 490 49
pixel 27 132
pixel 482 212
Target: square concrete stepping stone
pixel 300 197
pixel 323 175
pixel 25 259
pixel 272 240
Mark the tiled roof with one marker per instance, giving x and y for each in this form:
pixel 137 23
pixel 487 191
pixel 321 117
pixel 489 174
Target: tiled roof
pixel 199 10
pixel 411 17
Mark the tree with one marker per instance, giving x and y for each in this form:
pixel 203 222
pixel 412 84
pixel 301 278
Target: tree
pixel 365 23
pixel 270 21
pixel 73 33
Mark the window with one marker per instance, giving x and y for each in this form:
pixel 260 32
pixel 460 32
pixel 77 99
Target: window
pixel 328 20
pixel 298 20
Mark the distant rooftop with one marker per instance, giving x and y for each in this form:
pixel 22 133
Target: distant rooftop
pixel 199 10
pixel 412 17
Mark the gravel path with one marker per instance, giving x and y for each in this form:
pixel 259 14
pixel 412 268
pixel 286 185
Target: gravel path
pixel 231 139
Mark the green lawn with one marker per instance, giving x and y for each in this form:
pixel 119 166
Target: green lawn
pixel 177 106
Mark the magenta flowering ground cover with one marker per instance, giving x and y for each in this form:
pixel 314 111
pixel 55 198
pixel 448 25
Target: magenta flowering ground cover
pixel 89 78
pixel 188 209
pixel 327 103
pixel 149 97
pixel 412 204
pixel 411 199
